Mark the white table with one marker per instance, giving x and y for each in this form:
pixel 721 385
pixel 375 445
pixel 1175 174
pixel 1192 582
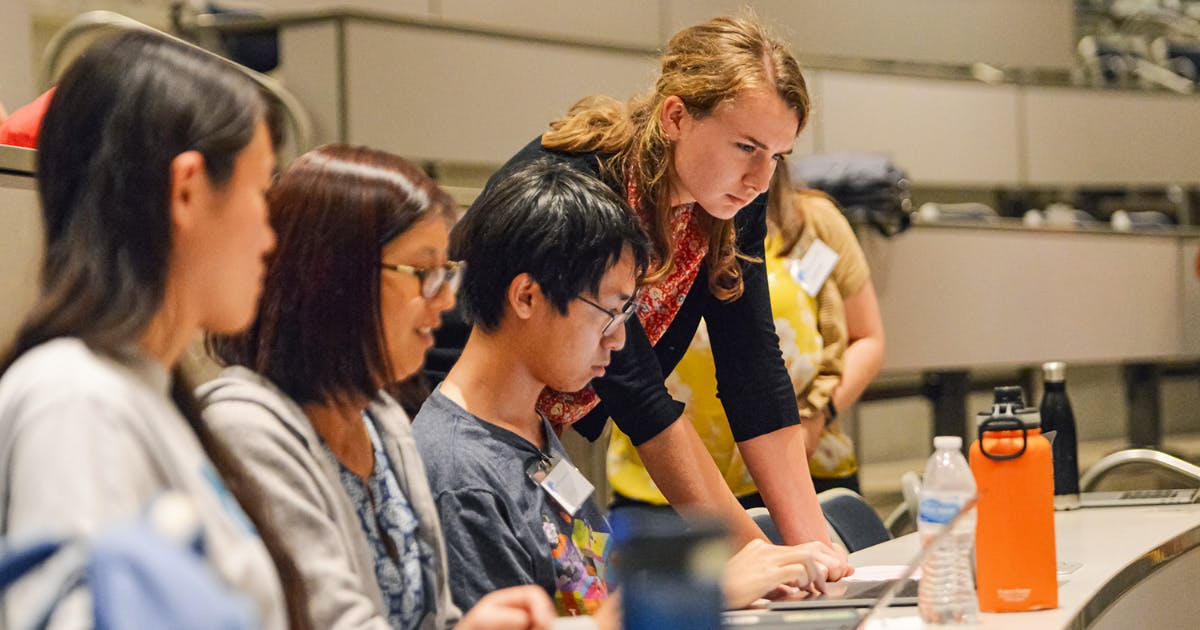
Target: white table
pixel 1140 568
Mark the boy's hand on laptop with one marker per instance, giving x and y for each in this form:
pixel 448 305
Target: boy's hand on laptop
pixel 516 608
pixel 761 568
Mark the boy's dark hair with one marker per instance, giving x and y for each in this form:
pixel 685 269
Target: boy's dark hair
pixel 563 227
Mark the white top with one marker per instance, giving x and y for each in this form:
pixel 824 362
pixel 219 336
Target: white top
pixel 1102 554
pixel 87 441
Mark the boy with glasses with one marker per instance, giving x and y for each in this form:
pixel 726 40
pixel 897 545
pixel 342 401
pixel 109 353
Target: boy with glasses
pixel 548 293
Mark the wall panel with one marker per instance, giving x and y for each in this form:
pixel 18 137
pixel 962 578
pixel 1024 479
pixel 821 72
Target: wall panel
pixel 954 298
pixel 627 22
pixel 438 95
pixel 309 70
pixel 1110 138
pixel 20 251
pixel 1018 33
pixel 941 132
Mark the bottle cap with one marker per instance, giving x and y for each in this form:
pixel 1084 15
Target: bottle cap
pixel 1054 371
pixel 1010 402
pixel 1011 394
pixel 947 442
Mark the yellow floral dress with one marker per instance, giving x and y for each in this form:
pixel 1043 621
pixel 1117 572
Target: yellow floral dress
pixel 804 350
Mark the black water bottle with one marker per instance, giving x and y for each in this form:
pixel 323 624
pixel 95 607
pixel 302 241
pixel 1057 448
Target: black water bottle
pixel 1058 417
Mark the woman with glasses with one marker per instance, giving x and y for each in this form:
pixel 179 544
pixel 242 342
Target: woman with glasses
pixel 352 294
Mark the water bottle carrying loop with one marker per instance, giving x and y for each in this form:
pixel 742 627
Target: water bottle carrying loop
pixel 1003 423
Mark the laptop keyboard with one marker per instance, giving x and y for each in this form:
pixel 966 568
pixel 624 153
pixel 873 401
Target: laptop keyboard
pixel 1137 497
pixel 1167 496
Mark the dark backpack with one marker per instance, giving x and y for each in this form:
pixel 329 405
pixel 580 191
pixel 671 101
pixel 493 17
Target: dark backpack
pixel 870 188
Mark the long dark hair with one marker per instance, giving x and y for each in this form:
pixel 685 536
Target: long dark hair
pixel 319 331
pixel 121 114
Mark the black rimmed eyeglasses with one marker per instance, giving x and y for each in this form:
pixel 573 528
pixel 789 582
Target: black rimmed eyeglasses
pixel 433 279
pixel 615 318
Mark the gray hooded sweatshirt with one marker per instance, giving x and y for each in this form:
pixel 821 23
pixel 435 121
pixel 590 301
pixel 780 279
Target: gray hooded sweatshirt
pixel 283 454
pixel 88 441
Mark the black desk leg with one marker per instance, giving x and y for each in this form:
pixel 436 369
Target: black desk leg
pixel 948 391
pixel 1145 408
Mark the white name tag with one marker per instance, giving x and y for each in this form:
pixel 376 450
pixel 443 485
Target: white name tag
pixel 563 482
pixel 814 267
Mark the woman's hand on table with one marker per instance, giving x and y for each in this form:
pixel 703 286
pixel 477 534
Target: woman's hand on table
pixel 762 569
pixel 840 568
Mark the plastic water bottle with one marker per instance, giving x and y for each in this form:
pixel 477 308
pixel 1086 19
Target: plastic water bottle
pixel 946 593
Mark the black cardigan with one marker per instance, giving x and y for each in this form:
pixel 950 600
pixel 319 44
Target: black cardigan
pixel 752 382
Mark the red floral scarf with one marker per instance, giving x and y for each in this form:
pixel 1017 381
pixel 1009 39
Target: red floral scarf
pixel 657 304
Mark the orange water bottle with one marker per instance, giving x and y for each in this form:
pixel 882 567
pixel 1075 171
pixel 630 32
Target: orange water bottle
pixel 1015 562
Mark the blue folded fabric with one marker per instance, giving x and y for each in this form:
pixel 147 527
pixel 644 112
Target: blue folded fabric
pixel 138 578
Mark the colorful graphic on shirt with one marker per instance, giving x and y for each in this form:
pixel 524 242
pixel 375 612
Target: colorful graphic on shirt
pixel 580 564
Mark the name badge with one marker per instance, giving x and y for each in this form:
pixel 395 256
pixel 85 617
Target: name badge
pixel 562 481
pixel 814 267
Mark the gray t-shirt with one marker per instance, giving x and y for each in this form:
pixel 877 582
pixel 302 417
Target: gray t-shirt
pixel 502 529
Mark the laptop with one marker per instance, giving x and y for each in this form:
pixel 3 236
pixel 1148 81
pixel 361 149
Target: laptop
pixel 850 594
pixel 831 612
pixel 1138 497
pixel 1122 498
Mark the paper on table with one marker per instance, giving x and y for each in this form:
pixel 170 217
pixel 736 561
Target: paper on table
pixel 881 572
pixel 582 622
pixel 908 622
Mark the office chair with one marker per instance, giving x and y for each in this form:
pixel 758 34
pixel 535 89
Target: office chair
pixel 855 522
pixel 903 520
pixel 852 523
pixel 762 518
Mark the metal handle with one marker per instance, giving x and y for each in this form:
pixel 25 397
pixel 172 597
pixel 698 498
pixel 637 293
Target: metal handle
pixel 92 21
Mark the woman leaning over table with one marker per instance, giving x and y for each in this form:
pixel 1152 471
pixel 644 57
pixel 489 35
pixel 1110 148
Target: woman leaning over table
pixel 832 339
pixel 693 159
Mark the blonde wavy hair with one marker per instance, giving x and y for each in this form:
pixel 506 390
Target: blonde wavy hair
pixel 704 65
